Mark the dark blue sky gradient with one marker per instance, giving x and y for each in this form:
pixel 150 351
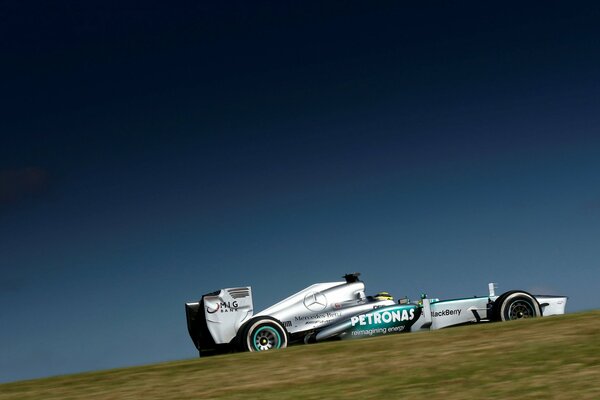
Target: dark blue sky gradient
pixel 153 153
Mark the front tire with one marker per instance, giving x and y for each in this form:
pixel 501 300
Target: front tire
pixel 516 305
pixel 263 334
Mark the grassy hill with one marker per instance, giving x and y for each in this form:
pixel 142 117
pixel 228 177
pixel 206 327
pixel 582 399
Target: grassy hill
pixel 548 358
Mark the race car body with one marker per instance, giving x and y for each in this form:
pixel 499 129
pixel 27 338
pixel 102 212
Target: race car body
pixel 224 321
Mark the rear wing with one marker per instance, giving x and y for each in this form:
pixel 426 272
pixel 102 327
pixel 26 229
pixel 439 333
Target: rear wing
pixel 217 317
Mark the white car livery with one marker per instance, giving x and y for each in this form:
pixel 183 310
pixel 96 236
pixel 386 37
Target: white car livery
pixel 224 320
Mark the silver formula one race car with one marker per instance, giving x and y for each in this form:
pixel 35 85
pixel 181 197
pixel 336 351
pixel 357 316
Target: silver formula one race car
pixel 223 321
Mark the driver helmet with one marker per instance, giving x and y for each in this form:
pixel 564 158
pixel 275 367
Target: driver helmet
pixel 383 296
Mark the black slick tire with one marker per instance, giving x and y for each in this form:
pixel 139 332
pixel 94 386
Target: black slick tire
pixel 516 304
pixel 263 334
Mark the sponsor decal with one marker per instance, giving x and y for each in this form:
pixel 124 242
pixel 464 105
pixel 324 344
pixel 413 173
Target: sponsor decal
pixel 315 301
pixel 287 324
pixel 320 316
pixel 445 313
pixel 382 321
pixel 378 331
pixel 208 310
pixel 224 306
pixel 385 317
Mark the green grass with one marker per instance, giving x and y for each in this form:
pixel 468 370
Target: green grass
pixel 547 358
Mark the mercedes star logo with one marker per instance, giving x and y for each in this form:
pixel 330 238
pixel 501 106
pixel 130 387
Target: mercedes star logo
pixel 315 301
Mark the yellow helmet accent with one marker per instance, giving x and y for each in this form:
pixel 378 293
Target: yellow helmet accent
pixel 383 296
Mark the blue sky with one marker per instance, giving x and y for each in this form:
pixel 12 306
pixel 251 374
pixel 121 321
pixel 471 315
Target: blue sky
pixel 152 154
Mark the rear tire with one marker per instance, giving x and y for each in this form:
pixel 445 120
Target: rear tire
pixel 263 334
pixel 514 305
